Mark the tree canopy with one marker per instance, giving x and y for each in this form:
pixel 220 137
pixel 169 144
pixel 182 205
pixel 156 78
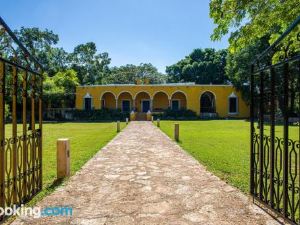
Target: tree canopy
pixel 203 66
pixel 129 74
pixel 250 20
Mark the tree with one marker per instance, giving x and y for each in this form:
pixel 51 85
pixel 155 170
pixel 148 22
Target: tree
pixel 61 88
pixel 129 74
pixel 41 45
pixel 203 66
pixel 90 66
pixel 251 20
pixel 238 69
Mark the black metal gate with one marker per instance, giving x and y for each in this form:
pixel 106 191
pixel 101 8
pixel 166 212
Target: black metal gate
pixel 275 117
pixel 20 135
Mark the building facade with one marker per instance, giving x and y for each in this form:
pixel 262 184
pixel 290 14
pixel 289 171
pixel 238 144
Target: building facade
pixel 206 100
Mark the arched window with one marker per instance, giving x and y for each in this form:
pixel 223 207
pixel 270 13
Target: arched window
pixel 87 102
pixel 233 104
pixel 207 103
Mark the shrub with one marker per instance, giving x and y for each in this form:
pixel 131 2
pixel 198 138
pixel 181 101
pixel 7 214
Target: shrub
pixel 182 114
pixel 99 115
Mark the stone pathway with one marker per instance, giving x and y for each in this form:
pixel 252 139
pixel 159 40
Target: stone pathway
pixel 143 177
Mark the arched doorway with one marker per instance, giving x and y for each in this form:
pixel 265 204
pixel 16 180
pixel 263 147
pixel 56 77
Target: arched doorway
pixel 143 102
pixel 160 101
pixel 125 102
pixel 178 101
pixel 108 101
pixel 207 102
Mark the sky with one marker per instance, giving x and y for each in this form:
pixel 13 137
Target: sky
pixel 160 32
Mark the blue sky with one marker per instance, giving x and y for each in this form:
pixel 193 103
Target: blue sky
pixel 131 31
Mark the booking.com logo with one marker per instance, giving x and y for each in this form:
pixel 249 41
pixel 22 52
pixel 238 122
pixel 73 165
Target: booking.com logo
pixel 36 212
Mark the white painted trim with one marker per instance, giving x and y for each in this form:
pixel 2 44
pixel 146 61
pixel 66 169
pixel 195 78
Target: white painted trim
pixel 87 95
pixel 155 85
pixel 159 92
pixel 179 104
pixel 142 92
pixel 129 104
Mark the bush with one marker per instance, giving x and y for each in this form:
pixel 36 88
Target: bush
pixel 99 115
pixel 7 112
pixel 182 114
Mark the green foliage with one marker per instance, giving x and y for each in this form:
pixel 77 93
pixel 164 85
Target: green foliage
pixel 99 115
pixel 90 66
pixel 220 145
pixel 86 140
pixel 130 74
pixel 182 114
pixel 61 88
pixel 7 112
pixel 41 45
pixel 202 66
pixel 238 66
pixel 251 20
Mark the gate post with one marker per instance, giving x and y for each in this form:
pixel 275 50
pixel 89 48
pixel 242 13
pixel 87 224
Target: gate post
pixel 176 132
pixel 2 134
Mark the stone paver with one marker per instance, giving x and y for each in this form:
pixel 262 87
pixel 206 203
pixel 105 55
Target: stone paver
pixel 143 177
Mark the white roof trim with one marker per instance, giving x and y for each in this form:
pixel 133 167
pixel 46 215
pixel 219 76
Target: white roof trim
pixel 160 85
pixel 232 95
pixel 87 95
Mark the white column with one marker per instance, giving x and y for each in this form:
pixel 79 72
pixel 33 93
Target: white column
pixel 170 103
pixel 116 103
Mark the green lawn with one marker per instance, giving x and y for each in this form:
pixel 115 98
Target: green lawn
pixel 221 145
pixel 86 140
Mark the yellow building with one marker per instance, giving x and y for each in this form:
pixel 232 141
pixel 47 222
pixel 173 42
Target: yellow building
pixel 206 100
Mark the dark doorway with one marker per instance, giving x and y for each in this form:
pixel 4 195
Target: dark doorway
pixel 125 105
pixel 207 103
pixel 175 105
pixel 87 103
pixel 145 106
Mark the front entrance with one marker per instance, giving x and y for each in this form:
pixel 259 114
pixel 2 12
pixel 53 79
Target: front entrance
pixel 87 103
pixel 145 105
pixel 175 105
pixel 125 105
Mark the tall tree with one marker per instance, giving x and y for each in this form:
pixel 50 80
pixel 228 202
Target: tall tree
pixel 251 20
pixel 61 88
pixel 238 69
pixel 202 66
pixel 41 44
pixel 89 65
pixel 128 74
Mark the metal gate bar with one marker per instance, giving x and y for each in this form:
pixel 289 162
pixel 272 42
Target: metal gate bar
pixel 275 160
pixel 21 87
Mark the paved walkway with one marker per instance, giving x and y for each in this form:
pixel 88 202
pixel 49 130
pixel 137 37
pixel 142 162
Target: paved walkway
pixel 142 177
